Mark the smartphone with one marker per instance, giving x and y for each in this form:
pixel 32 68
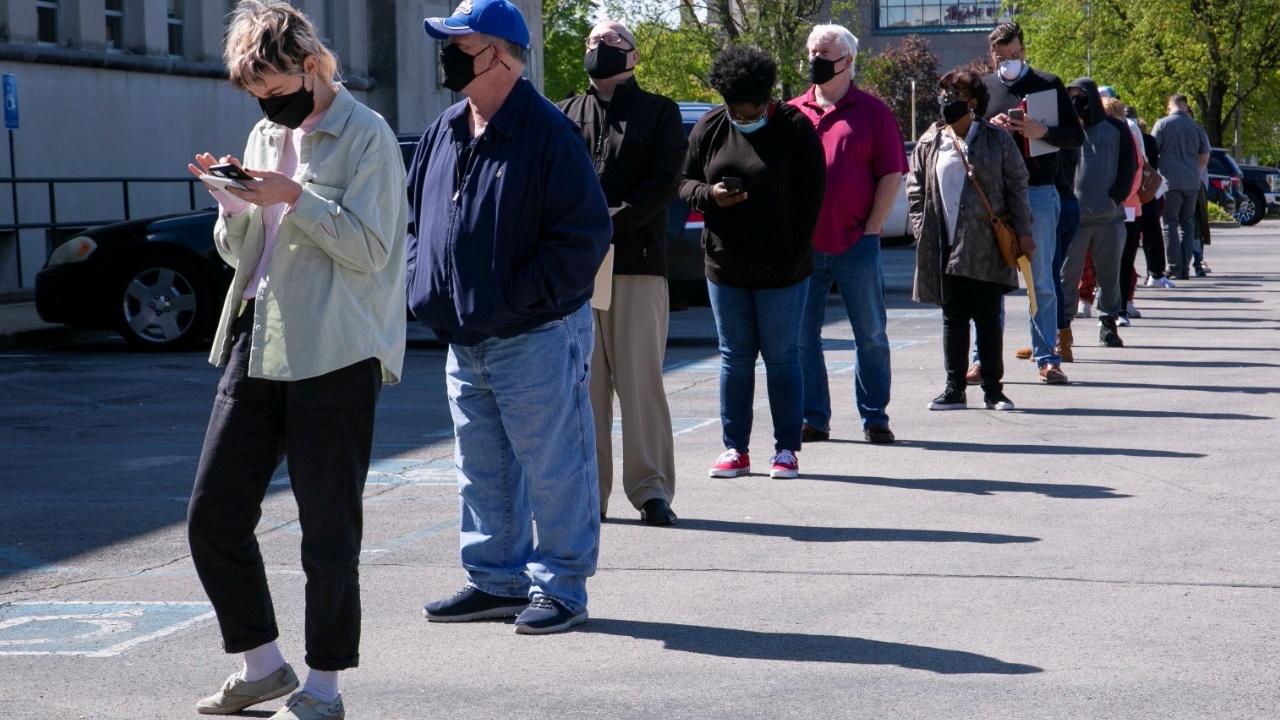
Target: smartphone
pixel 1016 114
pixel 732 184
pixel 230 172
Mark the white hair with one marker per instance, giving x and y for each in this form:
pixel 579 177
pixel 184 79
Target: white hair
pixel 839 32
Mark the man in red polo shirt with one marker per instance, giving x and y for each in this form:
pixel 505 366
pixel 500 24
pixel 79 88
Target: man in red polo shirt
pixel 865 163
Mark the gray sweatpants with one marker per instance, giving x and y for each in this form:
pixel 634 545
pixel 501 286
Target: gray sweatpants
pixel 1106 241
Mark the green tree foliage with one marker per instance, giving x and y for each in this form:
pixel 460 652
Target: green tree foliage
pixel 1150 49
pixel 565 26
pixel 889 75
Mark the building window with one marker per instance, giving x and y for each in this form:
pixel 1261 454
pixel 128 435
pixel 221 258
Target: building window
pixel 47 22
pixel 177 27
pixel 115 25
pixel 918 15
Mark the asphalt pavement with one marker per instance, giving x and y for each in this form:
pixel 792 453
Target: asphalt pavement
pixel 1108 550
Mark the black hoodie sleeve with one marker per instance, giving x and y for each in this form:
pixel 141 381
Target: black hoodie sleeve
pixel 1126 164
pixel 1067 134
pixel 694 189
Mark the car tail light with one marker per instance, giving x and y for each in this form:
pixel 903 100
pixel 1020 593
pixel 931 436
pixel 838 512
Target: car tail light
pixel 1219 184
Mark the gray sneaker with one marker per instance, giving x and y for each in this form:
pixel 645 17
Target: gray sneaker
pixel 305 706
pixel 237 693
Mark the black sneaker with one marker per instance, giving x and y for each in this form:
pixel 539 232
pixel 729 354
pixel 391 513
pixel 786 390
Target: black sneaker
pixel 809 433
pixel 878 434
pixel 950 399
pixel 546 615
pixel 1107 334
pixel 657 512
pixel 997 401
pixel 472 603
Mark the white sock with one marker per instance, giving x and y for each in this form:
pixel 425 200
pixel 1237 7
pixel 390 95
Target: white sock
pixel 322 684
pixel 262 661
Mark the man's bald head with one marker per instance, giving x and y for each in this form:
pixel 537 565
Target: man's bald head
pixel 610 32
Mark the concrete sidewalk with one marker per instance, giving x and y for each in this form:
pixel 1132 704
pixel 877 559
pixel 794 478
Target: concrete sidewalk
pixel 1108 550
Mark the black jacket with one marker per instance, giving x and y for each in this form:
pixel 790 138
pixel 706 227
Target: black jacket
pixel 1067 134
pixel 637 143
pixel 766 241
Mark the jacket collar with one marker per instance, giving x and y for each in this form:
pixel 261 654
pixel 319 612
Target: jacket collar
pixel 505 121
pixel 621 94
pixel 850 98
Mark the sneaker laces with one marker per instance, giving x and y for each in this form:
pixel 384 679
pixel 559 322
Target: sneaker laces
pixel 542 602
pixel 784 457
pixel 730 456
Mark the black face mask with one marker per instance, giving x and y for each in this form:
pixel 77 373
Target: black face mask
pixel 821 70
pixel 1081 104
pixel 289 110
pixel 605 61
pixel 459 67
pixel 954 110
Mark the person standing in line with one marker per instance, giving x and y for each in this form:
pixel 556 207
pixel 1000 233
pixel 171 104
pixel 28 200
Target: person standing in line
pixel 1104 179
pixel 637 143
pixel 1184 157
pixel 756 171
pixel 1115 110
pixel 958 261
pixel 1152 212
pixel 312 326
pixel 865 163
pixel 1068 224
pixel 1008 87
pixel 508 229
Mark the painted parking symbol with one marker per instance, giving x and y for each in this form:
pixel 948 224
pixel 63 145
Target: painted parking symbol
pixel 92 629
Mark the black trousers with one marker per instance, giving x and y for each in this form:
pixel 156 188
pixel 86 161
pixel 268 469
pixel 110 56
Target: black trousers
pixel 324 426
pixel 1153 237
pixel 1129 260
pixel 979 301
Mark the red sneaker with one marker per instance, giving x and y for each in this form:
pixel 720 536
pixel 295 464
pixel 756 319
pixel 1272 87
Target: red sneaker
pixel 785 465
pixel 731 464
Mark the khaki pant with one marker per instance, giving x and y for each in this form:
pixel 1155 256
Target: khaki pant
pixel 631 339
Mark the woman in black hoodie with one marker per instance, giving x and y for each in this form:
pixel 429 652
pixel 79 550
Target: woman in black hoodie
pixel 756 171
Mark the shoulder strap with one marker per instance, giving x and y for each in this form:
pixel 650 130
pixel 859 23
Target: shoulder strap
pixel 968 171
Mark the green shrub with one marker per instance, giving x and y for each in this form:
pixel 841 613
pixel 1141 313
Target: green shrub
pixel 1217 213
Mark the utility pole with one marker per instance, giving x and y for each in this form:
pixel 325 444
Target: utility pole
pixel 913 110
pixel 1235 146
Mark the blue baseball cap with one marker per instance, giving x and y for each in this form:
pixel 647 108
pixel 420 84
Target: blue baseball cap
pixel 499 18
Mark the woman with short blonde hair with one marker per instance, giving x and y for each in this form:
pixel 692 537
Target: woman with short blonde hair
pixel 312 327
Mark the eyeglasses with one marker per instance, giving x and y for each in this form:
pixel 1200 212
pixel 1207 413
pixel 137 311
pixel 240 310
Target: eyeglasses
pixel 609 38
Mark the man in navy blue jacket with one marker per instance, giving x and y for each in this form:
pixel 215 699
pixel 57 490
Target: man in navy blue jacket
pixel 508 228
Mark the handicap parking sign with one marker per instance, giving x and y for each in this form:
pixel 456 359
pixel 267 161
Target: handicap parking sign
pixel 92 629
pixel 11 101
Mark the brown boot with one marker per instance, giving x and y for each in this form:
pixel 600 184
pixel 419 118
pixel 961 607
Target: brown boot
pixel 1052 375
pixel 1064 345
pixel 1022 353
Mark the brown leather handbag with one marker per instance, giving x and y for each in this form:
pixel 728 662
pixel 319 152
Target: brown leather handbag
pixel 1150 184
pixel 1001 229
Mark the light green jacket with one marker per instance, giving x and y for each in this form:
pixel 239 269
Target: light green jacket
pixel 334 291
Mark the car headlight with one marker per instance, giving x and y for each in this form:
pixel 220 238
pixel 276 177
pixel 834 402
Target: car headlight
pixel 1273 181
pixel 72 251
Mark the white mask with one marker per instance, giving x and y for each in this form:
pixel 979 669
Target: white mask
pixel 1010 69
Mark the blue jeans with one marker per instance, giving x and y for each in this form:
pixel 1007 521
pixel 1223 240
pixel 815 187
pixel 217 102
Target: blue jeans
pixel 1068 224
pixel 751 323
pixel 1044 324
pixel 526 449
pixel 857 273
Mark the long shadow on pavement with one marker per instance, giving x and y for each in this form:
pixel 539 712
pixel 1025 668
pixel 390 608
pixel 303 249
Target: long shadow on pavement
pixel 1011 449
pixel 1184 363
pixel 809 533
pixel 1146 414
pixel 980 487
pixel 798 647
pixel 1245 389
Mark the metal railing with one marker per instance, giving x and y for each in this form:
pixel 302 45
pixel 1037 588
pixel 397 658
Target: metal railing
pixel 52 184
pixel 54 224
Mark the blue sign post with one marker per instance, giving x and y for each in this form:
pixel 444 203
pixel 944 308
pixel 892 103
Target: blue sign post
pixel 11 101
pixel 11 124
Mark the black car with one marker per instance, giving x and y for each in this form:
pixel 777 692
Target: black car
pixel 1226 181
pixel 1262 193
pixel 160 282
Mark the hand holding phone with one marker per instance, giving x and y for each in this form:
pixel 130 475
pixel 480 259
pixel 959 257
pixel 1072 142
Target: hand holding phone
pixel 732 184
pixel 1016 114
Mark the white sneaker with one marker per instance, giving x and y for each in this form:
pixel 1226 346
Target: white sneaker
pixel 1122 320
pixel 1152 281
pixel 1132 310
pixel 1165 283
pixel 1084 310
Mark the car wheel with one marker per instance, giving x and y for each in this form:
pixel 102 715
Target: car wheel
pixel 164 305
pixel 1252 208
